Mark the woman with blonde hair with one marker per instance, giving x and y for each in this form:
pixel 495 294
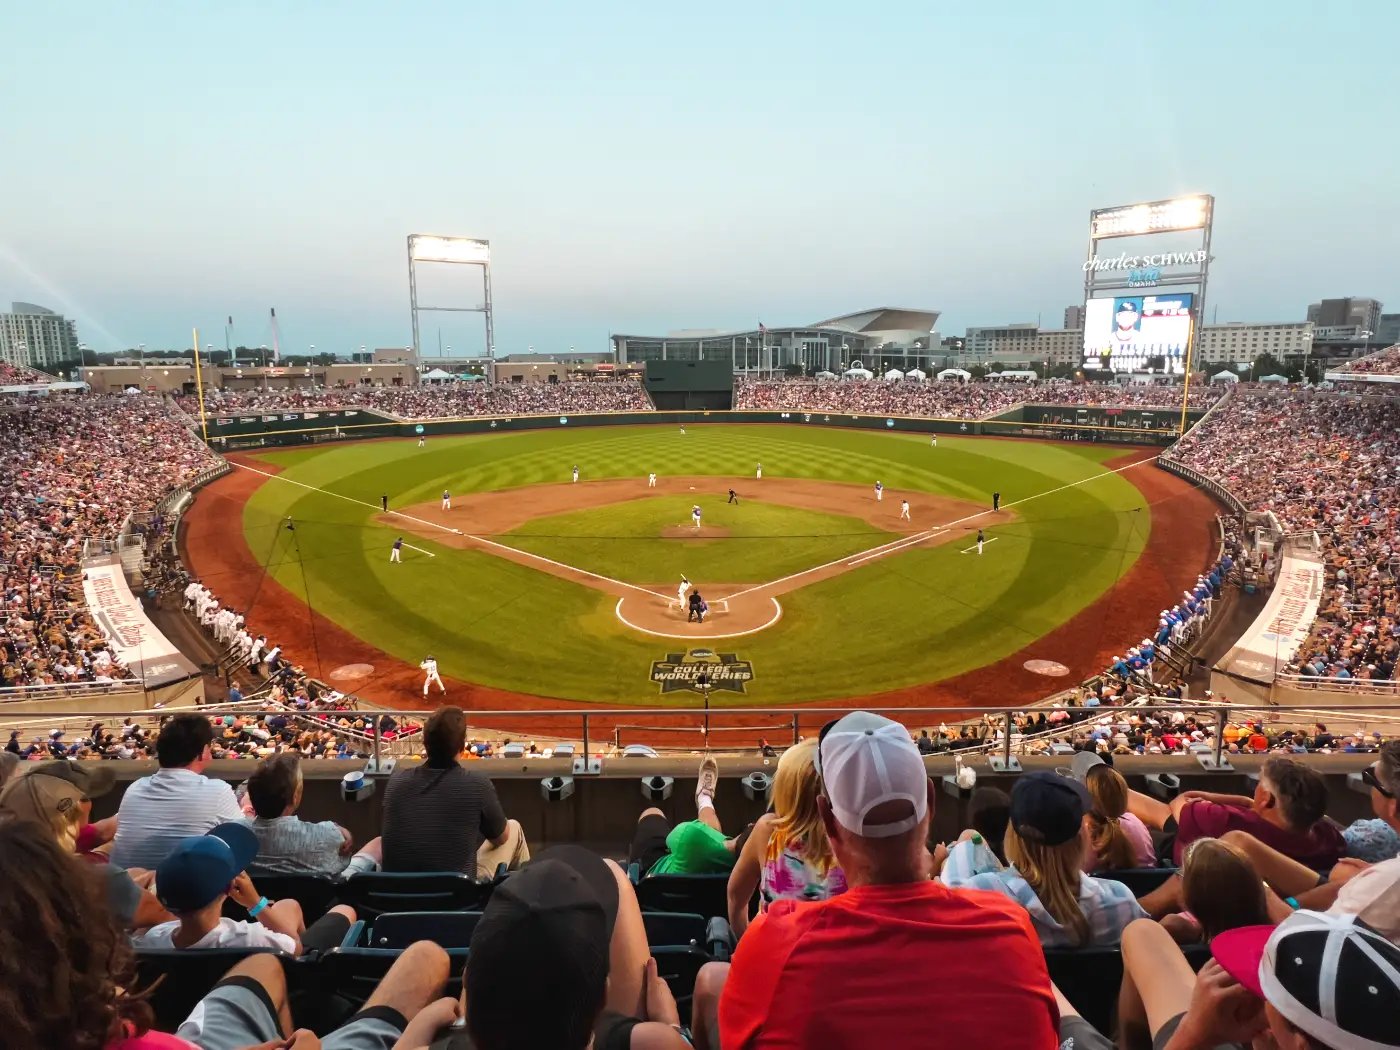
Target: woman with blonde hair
pixel 1117 839
pixel 1046 841
pixel 787 856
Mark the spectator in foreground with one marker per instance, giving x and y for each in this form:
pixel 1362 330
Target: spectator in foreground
pixel 1117 838
pixel 439 816
pixel 1047 840
pixel 567 924
pixel 692 847
pixel 58 806
pixel 77 992
pixel 288 845
pixel 1286 813
pixel 175 802
pixel 1220 890
pixel 838 973
pixel 202 871
pixel 787 856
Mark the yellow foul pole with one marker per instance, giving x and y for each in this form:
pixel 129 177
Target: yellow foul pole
pixel 1186 386
pixel 199 386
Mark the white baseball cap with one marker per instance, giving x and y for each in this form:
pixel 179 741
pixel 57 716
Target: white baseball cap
pixel 866 760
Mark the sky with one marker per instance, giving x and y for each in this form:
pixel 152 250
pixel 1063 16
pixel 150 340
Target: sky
pixel 643 167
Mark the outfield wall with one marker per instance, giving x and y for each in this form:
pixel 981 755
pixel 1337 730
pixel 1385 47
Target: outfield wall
pixel 298 428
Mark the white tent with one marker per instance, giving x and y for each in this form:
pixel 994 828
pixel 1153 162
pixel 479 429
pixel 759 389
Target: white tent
pixel 894 373
pixel 437 375
pixel 1275 378
pixel 824 374
pixel 916 373
pixel 859 373
pixel 1225 377
pixel 953 373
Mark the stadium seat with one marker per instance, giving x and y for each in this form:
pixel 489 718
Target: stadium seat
pixel 178 978
pixel 1139 880
pixel 1090 978
pixel 353 973
pixel 397 930
pixel 678 967
pixel 373 893
pixel 706 895
pixel 315 894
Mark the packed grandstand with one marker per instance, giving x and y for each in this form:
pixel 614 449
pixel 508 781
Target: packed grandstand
pixel 1086 884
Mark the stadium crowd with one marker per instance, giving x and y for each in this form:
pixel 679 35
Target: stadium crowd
pixel 1334 471
pixel 74 469
pixel 14 375
pixel 950 399
pixel 836 899
pixel 1383 362
pixel 437 401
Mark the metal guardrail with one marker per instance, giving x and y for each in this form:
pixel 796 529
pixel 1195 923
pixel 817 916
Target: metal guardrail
pixel 19 693
pixel 811 719
pixel 1368 686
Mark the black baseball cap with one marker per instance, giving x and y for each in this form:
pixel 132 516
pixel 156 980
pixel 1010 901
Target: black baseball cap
pixel 553 919
pixel 1047 808
pixel 1330 975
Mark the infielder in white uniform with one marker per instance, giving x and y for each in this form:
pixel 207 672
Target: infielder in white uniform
pixel 430 675
pixel 446 500
pixel 879 492
pixel 904 510
pixel 759 472
pixel 651 480
pixel 695 515
pixel 681 592
pixel 575 472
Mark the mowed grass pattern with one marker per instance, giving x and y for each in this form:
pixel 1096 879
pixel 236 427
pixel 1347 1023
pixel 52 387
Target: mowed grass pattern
pixel 920 615
pixel 761 541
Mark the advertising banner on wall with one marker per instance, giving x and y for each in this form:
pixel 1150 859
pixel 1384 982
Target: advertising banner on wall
pixel 1282 626
pixel 134 640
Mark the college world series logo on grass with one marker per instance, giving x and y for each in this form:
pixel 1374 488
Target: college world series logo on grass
pixel 680 672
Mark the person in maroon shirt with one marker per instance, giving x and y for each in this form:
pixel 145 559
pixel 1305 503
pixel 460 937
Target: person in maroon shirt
pixel 1287 813
pixel 837 974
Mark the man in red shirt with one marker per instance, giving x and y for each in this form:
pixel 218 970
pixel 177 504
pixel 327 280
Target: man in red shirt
pixel 1287 812
pixel 837 973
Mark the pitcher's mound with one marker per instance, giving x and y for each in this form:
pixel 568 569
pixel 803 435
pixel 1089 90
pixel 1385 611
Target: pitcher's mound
pixel 690 532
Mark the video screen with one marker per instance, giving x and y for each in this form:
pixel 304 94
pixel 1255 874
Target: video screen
pixel 1132 333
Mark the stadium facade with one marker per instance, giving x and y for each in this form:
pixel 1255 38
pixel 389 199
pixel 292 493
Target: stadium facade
pixel 879 339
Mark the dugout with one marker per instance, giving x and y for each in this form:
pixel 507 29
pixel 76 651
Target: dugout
pixel 690 385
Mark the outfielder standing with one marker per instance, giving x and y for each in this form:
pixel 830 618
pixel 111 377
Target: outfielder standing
pixel 904 510
pixel 446 500
pixel 396 549
pixel 384 503
pixel 981 539
pixel 996 501
pixel 430 675
pixel 879 492
pixel 651 480
pixel 933 441
pixel 421 439
pixel 758 473
pixel 575 472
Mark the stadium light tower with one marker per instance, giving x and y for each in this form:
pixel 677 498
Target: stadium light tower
pixel 457 251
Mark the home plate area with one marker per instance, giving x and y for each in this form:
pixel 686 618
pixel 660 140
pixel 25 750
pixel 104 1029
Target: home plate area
pixel 727 617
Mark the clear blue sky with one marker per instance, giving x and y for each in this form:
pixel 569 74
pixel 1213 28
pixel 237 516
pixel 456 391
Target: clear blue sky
pixel 643 167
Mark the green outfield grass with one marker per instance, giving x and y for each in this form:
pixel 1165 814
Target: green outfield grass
pixel 917 616
pixel 763 541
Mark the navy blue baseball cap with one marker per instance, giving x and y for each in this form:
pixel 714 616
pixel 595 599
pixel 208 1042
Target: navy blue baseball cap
pixel 201 867
pixel 1047 808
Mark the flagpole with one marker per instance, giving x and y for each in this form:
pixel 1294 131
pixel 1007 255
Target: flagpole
pixel 228 328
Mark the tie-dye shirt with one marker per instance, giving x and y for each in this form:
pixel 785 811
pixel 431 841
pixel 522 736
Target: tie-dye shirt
pixel 788 875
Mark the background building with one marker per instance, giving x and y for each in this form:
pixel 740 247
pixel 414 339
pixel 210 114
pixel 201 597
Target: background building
pixel 35 337
pixel 1364 314
pixel 880 339
pixel 1074 317
pixel 1388 331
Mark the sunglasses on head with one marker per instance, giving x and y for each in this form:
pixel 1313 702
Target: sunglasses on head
pixel 1368 777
